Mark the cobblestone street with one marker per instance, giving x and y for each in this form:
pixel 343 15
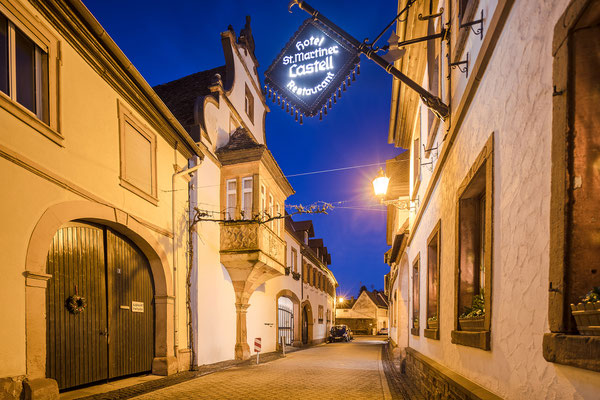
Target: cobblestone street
pixel 350 370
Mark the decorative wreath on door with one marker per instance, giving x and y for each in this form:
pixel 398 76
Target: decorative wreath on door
pixel 76 303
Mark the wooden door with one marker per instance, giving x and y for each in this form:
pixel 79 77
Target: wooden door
pixel 113 335
pixel 304 326
pixel 76 344
pixel 130 308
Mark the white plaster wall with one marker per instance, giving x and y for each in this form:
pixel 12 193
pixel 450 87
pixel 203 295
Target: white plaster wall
pixel 214 303
pixel 514 101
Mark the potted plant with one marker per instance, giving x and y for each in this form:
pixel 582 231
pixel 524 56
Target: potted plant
pixel 473 317
pixel 432 322
pixel 296 275
pixel 587 313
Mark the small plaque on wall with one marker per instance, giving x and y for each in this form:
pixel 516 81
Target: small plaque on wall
pixel 137 306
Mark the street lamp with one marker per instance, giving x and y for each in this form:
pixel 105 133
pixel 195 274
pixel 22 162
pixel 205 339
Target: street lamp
pixel 340 299
pixel 380 183
pixel 380 186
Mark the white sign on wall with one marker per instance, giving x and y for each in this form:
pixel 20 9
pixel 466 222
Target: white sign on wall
pixel 137 306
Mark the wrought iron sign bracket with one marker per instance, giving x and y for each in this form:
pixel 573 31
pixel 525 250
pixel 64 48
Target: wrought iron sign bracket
pixel 437 106
pixel 463 66
pixel 444 35
pixel 471 25
pixel 431 16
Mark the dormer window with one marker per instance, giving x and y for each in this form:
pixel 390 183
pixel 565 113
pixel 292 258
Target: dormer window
pixel 249 104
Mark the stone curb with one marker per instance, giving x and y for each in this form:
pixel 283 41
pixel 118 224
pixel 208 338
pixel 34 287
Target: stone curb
pixel 399 384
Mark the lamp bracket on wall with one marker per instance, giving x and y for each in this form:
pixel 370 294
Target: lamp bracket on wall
pixel 433 153
pixel 431 16
pixel 463 66
pixel 471 24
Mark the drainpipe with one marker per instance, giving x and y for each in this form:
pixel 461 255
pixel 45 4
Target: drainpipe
pixel 175 280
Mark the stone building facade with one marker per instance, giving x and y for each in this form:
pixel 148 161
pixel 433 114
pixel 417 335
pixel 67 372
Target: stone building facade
pixel 498 238
pixel 365 315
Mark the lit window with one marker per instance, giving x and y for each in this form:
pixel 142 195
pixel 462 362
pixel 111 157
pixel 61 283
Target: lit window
pixel 294 260
pixel 263 201
pixel 278 221
pixel 23 69
pixel 231 199
pixel 247 198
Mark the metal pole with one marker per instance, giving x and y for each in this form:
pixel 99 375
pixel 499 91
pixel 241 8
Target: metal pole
pixel 434 103
pixel 257 357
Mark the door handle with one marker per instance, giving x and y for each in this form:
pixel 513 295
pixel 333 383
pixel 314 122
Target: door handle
pixel 104 332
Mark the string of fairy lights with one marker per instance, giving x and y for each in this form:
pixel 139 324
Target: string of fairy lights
pixel 341 204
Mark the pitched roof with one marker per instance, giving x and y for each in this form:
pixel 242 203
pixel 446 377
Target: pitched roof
pixel 378 298
pixel 240 139
pixel 398 170
pixel 181 94
pixel 304 226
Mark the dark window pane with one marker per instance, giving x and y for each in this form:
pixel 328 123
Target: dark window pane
pixel 42 85
pixel 25 72
pixel 3 54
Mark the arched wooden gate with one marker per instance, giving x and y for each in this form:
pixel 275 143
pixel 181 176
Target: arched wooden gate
pixel 109 333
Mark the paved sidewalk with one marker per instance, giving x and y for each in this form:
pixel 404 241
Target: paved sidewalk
pixel 339 370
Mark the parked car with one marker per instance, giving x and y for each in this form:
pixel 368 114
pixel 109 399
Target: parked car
pixel 383 331
pixel 339 333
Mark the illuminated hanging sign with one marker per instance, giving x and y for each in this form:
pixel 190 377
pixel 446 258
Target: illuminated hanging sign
pixel 314 65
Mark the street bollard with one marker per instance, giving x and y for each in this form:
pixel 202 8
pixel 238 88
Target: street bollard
pixel 283 345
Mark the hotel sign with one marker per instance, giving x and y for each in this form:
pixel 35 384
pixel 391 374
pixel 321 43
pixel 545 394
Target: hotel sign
pixel 314 65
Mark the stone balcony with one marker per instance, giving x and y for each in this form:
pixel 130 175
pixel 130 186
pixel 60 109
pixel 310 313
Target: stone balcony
pixel 252 254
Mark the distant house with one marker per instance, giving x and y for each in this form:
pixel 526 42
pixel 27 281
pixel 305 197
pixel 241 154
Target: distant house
pixel 366 315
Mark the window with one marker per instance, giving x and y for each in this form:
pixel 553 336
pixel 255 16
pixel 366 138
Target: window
pixel 278 221
pixel 246 198
pixel 328 315
pixel 249 104
pixel 416 298
pixel 575 189
pixel 314 278
pixel 231 198
pixel 416 162
pixel 433 284
pixel 138 156
pixel 304 273
pixel 26 88
pixel 474 253
pixel 271 211
pixel 263 199
pixel 433 77
pixel 294 260
pixel 320 314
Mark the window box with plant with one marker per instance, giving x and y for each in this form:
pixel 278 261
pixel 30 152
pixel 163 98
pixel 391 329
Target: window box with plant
pixel 587 313
pixel 432 322
pixel 296 275
pixel 473 318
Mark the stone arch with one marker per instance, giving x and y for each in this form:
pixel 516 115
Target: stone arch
pixel 306 305
pixel 36 278
pixel 297 316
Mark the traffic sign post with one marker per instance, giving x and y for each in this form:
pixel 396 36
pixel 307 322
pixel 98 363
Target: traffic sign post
pixel 257 347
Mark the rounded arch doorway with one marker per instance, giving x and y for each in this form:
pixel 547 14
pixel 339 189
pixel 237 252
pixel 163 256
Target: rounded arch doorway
pixel 307 324
pixel 99 303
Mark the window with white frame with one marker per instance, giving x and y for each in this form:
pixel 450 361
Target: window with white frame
pixel 24 69
pixel 231 198
pixel 247 198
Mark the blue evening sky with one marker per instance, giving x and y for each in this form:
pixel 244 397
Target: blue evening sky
pixel 168 40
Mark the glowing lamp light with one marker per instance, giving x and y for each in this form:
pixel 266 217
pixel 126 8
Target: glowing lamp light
pixel 340 299
pixel 380 183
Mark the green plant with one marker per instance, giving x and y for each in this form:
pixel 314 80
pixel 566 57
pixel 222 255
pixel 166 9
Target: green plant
pixel 434 318
pixel 592 296
pixel 477 308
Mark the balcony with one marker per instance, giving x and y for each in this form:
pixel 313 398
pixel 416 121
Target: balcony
pixel 248 242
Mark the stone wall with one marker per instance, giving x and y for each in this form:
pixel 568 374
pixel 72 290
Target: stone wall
pixel 438 382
